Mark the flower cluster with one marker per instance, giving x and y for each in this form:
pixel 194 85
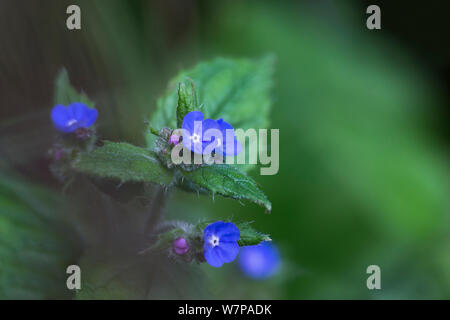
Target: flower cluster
pixel 204 136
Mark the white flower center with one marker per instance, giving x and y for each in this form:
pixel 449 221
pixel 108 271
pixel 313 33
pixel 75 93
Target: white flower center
pixel 214 241
pixel 71 122
pixel 195 138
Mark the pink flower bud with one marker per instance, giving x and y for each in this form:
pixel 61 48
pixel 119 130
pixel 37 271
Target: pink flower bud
pixel 180 246
pixel 174 139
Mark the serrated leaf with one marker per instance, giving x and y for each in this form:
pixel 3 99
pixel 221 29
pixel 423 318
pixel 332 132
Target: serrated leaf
pixel 236 90
pixel 226 181
pixel 35 248
pixel 65 94
pixel 250 236
pixel 124 162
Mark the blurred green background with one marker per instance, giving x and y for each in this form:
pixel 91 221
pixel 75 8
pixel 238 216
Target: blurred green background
pixel 364 174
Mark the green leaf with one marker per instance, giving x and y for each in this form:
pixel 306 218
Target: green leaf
pixel 250 236
pixel 187 102
pixel 109 273
pixel 235 90
pixel 124 162
pixel 115 273
pixel 65 94
pixel 225 180
pixel 35 248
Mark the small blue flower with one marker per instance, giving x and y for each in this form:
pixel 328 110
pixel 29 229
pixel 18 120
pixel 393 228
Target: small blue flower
pixel 76 115
pixel 260 261
pixel 220 243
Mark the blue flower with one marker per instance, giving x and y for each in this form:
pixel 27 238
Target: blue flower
pixel 76 115
pixel 198 133
pixel 220 243
pixel 260 261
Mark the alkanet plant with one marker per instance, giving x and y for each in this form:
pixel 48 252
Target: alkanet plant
pixel 216 94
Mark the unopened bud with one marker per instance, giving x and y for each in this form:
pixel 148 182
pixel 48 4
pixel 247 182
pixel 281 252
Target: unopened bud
pixel 174 139
pixel 180 246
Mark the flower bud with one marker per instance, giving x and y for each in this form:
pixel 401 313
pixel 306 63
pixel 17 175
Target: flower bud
pixel 180 246
pixel 174 139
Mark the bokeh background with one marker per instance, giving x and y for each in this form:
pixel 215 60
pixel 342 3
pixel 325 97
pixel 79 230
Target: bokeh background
pixel 363 119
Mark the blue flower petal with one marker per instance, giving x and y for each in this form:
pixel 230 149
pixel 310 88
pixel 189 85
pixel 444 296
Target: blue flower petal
pixel 227 232
pixel 211 130
pixel 77 111
pixel 211 228
pixel 84 115
pixel 224 125
pixel 213 258
pixel 190 118
pixel 209 124
pixel 60 117
pixel 231 147
pixel 91 117
pixel 227 251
